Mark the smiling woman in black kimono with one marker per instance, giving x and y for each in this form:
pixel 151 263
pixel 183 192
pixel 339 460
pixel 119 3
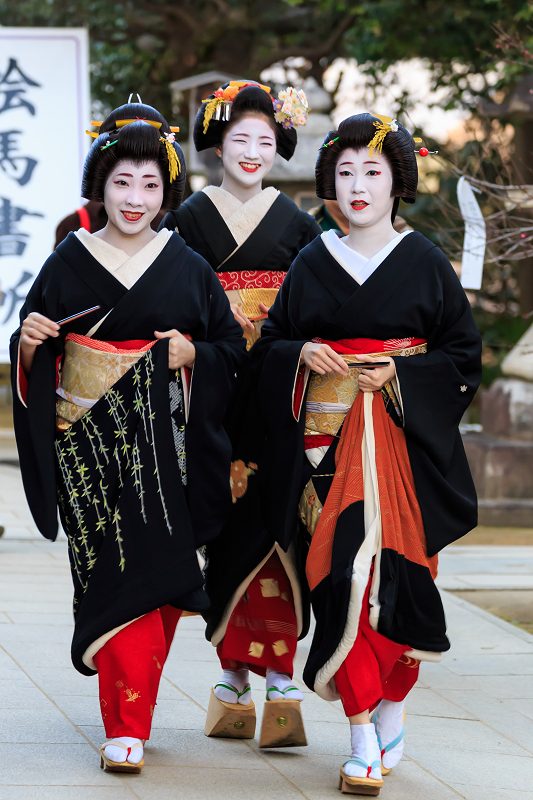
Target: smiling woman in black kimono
pixel 118 417
pixel 385 480
pixel 250 236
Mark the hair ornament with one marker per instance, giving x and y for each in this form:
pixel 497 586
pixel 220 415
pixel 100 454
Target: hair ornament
pixel 384 126
pixel 173 161
pixel 328 144
pixel 120 123
pixel 218 107
pixel 291 107
pixel 109 143
pixel 425 152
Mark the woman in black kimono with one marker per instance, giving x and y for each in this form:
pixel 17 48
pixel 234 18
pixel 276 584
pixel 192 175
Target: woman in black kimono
pixel 377 450
pixel 250 236
pixel 118 417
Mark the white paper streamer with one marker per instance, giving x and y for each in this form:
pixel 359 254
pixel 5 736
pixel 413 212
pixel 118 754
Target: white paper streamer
pixel 475 236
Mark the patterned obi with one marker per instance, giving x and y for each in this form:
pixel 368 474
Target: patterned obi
pixel 89 369
pixel 249 288
pixel 331 396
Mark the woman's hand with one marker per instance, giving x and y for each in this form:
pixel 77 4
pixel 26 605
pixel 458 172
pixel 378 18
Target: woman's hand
pixel 181 352
pixel 372 380
pixel 321 358
pixel 35 330
pixel 241 317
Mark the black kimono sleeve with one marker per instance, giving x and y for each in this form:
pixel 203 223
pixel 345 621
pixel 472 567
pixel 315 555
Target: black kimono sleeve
pixel 218 359
pixel 436 388
pixel 277 365
pixel 34 421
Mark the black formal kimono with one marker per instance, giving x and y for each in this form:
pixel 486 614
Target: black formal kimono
pixel 412 305
pixel 249 245
pixel 141 480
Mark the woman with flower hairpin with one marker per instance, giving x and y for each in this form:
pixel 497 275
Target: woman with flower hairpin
pixel 122 369
pixel 250 236
pixel 368 360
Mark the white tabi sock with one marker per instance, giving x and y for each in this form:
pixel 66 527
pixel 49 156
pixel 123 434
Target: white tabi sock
pixel 237 679
pixel 280 687
pixel 118 755
pixel 389 724
pixel 364 746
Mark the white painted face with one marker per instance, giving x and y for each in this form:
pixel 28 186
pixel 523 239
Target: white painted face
pixel 363 186
pixel 248 150
pixel 133 195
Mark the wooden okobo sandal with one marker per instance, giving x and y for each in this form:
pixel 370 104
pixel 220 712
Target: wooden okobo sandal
pixel 282 724
pixel 124 766
pixel 230 720
pixel 352 785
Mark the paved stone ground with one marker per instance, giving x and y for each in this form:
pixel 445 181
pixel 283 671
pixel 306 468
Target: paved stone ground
pixel 469 724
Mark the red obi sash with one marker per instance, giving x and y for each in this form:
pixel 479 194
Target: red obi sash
pixel 251 279
pixel 364 346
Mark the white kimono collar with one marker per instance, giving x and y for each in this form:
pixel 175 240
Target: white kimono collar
pixel 358 266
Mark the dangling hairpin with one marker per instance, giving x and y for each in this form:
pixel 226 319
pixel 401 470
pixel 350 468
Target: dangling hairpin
pixel 174 166
pixel 384 126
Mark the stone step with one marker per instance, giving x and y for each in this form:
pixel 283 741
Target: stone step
pixel 506 513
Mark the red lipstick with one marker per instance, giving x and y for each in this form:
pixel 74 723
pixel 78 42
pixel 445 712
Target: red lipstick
pixel 249 167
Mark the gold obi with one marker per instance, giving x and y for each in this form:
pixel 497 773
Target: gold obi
pixel 248 300
pixel 331 396
pixel 89 369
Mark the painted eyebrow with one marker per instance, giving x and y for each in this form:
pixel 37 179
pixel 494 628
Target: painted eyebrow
pixel 265 136
pixel 129 175
pixel 372 162
pixel 344 163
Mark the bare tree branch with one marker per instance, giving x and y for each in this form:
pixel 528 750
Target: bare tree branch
pixel 312 53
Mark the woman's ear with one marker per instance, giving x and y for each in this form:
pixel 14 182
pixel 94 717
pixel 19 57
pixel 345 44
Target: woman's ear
pixel 218 151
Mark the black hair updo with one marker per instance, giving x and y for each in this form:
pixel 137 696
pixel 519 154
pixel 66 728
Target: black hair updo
pixel 250 99
pixel 357 132
pixel 139 142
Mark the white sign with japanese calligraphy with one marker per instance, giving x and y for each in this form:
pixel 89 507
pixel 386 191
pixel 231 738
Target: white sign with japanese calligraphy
pixel 44 112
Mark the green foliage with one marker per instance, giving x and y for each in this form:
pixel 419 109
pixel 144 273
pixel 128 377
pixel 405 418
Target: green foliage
pixel 141 45
pixel 458 39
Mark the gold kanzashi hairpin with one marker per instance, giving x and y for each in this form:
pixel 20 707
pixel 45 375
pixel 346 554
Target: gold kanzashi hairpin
pixel 218 107
pixel 384 126
pixel 387 125
pixel 120 123
pixel 174 166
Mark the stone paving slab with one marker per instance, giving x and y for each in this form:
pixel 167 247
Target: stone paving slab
pixel 486 567
pixel 469 724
